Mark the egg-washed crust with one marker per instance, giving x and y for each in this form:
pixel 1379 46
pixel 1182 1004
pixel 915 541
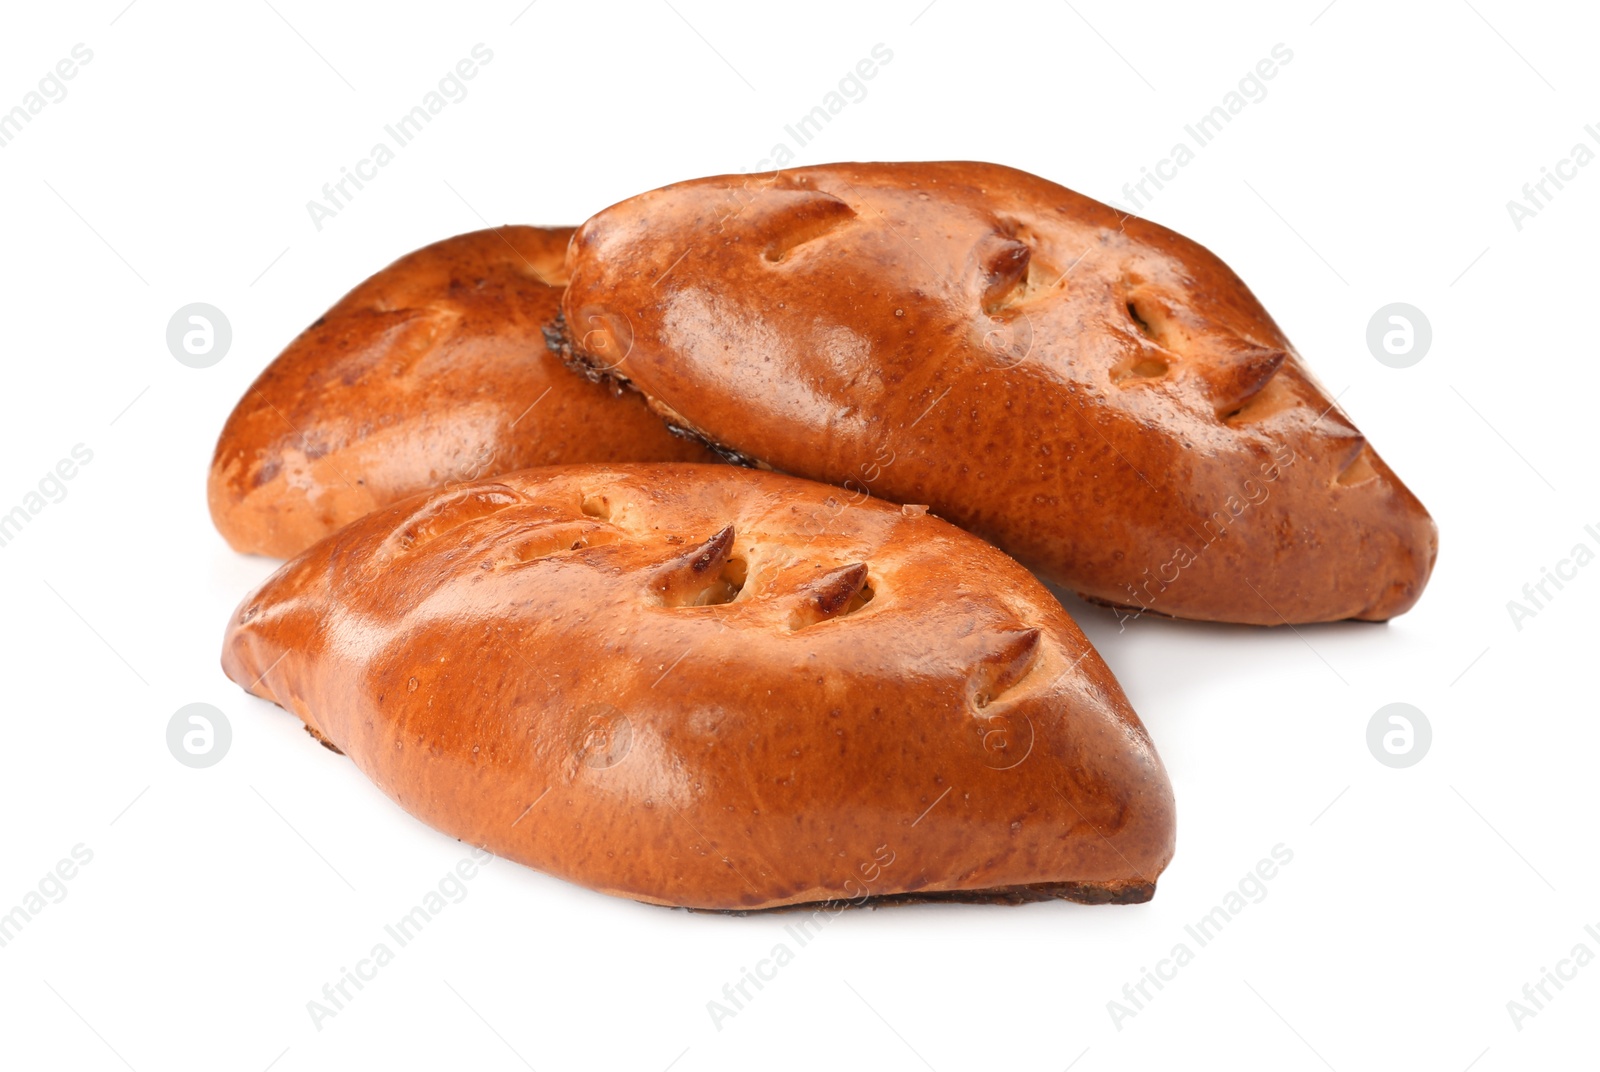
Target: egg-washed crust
pixel 1099 396
pixel 434 369
pixel 717 688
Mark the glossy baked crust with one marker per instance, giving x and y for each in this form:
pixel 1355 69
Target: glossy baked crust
pixel 715 687
pixel 432 370
pixel 1099 396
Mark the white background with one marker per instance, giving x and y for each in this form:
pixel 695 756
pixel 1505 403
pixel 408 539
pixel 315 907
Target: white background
pixel 1377 169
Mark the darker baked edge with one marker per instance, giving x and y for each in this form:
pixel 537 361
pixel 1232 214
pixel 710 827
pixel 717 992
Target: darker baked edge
pixel 1088 893
pixel 559 342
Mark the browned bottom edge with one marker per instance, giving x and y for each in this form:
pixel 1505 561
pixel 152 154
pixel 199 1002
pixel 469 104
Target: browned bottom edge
pixel 1137 612
pixel 1078 892
pixel 1151 612
pixel 323 741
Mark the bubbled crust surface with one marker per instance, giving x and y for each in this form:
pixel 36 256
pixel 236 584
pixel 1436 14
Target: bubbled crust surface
pixel 531 665
pixel 1101 397
pixel 432 370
